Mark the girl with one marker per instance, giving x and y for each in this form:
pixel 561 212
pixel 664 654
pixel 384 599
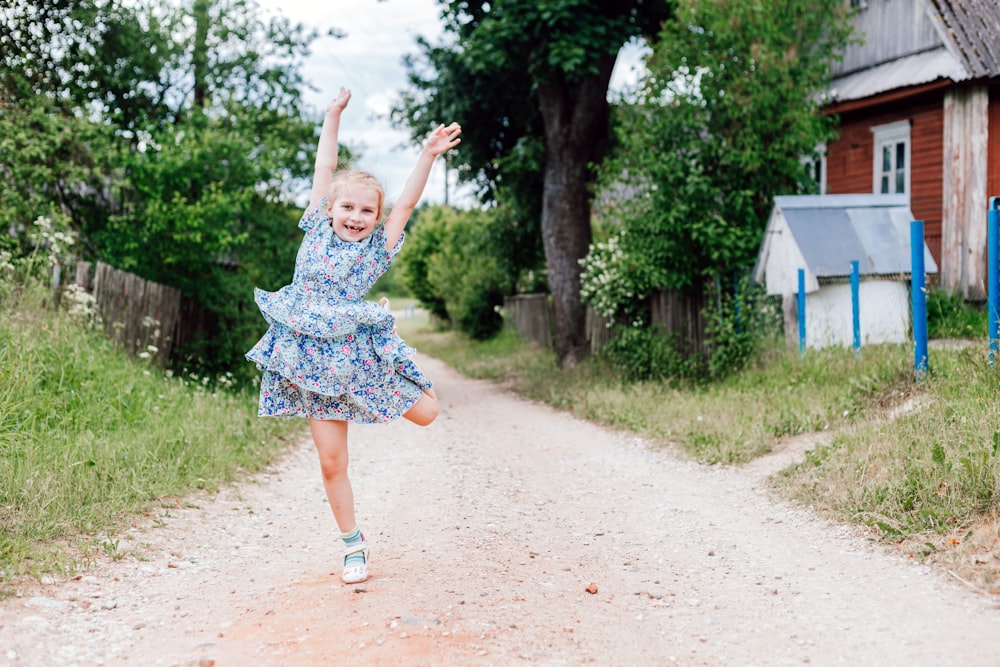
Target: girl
pixel 328 354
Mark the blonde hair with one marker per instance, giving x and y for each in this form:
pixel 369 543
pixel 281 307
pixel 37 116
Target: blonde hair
pixel 348 178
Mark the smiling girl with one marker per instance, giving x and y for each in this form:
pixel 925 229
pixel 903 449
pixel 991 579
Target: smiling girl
pixel 328 354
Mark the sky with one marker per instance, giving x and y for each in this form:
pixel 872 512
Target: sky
pixel 368 61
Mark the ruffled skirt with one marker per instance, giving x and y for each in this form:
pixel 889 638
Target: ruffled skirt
pixel 360 371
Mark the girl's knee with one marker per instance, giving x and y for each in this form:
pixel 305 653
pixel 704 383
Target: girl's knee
pixel 333 467
pixel 423 411
pixel 330 438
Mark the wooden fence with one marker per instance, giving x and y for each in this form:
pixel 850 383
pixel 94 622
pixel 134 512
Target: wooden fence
pixel 531 315
pixel 138 315
pixel 681 315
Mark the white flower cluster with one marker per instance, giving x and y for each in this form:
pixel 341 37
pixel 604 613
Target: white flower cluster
pixel 605 284
pixel 81 303
pixel 57 243
pixel 150 351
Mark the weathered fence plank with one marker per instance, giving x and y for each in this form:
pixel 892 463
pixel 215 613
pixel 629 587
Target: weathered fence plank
pixel 673 313
pixel 599 330
pixel 531 316
pixel 138 315
pixel 681 316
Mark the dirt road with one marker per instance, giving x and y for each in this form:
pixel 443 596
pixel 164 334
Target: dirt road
pixel 488 528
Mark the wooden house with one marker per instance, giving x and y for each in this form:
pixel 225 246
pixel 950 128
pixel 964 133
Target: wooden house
pixel 918 103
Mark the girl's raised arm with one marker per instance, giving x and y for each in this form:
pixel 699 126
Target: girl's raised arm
pixel 326 151
pixel 439 141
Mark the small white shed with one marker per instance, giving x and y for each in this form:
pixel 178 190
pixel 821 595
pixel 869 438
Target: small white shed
pixel 823 234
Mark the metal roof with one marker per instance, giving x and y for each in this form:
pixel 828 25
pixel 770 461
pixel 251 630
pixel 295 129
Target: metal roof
pixel 972 27
pixel 912 70
pixel 916 42
pixel 831 231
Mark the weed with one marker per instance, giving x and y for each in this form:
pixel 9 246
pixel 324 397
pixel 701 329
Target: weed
pixel 89 437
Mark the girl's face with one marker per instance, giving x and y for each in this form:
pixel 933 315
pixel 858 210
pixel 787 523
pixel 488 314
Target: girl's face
pixel 354 213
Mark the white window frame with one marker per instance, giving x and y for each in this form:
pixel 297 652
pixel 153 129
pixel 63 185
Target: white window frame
pixel 891 134
pixel 817 165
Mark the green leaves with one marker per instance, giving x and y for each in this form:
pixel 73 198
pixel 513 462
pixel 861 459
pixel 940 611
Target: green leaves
pixel 716 129
pixel 451 265
pixel 168 133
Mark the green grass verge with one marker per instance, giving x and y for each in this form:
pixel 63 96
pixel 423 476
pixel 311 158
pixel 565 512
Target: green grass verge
pixel 732 421
pixel 934 468
pixel 89 437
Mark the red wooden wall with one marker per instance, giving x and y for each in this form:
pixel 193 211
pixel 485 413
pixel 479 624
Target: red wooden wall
pixel 849 158
pixel 993 146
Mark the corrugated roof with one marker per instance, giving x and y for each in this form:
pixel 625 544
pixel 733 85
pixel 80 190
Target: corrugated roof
pixel 832 231
pixel 913 70
pixel 973 27
pixel 969 48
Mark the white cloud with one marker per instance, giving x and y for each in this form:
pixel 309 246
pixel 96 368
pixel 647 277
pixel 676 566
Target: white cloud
pixel 368 61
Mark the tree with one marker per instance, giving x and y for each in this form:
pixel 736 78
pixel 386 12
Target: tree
pixel 168 131
pixel 528 81
pixel 720 125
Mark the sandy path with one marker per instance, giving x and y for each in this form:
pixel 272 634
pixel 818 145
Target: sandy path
pixel 487 527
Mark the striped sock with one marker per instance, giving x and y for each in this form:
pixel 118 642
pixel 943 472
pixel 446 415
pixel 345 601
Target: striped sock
pixel 353 538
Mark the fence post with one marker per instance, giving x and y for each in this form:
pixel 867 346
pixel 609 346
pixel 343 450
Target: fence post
pixel 918 297
pixel 802 311
pixel 993 271
pixel 856 304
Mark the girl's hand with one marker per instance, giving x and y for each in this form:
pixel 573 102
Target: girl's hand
pixel 443 138
pixel 340 101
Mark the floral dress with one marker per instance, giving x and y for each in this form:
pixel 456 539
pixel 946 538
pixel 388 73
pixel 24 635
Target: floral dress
pixel 328 353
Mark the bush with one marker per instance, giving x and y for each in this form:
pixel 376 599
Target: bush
pixel 645 353
pixel 452 269
pixel 740 321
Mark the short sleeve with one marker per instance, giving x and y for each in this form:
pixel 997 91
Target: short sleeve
pixel 377 250
pixel 399 245
pixel 314 216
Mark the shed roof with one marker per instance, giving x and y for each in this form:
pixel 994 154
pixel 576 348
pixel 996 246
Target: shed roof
pixel 828 232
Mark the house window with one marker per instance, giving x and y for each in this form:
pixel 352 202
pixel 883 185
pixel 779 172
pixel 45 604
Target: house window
pixel 816 164
pixel 892 158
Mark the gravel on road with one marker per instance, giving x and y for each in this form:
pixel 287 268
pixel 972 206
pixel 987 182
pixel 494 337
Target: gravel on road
pixel 506 533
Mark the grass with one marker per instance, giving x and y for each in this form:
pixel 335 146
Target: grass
pixel 915 463
pixel 928 479
pixel 948 316
pixel 89 438
pixel 731 422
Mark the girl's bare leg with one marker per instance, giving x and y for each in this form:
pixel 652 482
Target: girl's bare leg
pixel 330 438
pixel 425 410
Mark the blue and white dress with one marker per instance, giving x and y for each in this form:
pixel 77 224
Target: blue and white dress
pixel 328 353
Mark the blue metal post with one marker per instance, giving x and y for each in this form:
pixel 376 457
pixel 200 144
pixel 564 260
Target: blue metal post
pixel 856 304
pixel 918 295
pixel 993 271
pixel 802 311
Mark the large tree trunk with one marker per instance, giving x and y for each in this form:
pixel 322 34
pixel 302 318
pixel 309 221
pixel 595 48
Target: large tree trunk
pixel 576 133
